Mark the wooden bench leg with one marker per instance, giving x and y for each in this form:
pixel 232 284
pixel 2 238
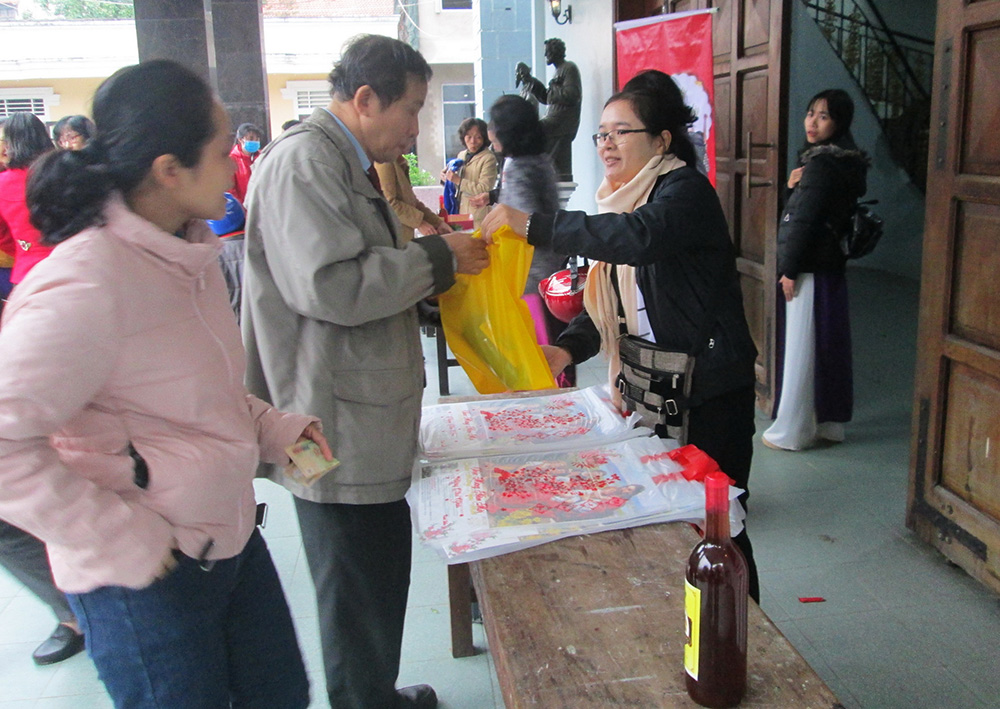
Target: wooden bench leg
pixel 460 603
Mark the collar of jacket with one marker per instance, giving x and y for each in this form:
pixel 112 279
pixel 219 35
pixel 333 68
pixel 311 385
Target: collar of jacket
pixel 836 151
pixel 329 127
pixel 188 257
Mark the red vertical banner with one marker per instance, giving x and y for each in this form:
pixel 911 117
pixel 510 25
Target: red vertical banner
pixel 679 45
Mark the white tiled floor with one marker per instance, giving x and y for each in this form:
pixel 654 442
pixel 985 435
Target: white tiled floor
pixel 900 627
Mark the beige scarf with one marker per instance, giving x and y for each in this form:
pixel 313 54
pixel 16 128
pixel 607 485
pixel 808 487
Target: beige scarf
pixel 599 294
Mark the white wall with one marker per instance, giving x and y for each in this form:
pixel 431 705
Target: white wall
pixel 67 49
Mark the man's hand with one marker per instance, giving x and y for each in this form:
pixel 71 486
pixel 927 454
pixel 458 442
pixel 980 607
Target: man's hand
pixel 503 214
pixel 794 177
pixel 558 358
pixel 470 253
pixel 787 287
pixel 444 228
pixel 480 200
pixel 425 229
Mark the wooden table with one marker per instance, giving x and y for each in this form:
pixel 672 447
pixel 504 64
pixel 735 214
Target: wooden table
pixel 598 621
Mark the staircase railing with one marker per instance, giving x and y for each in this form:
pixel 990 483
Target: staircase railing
pixel 893 70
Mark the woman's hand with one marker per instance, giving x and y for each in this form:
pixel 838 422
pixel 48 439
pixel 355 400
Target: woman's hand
pixel 794 177
pixel 426 229
pixel 312 433
pixel 480 200
pixel 500 215
pixel 449 176
pixel 558 358
pixel 787 287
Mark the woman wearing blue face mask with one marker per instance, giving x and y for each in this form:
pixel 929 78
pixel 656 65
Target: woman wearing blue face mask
pixel 244 152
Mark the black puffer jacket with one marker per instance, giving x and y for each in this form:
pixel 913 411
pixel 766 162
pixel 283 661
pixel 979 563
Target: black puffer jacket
pixel 679 242
pixel 819 209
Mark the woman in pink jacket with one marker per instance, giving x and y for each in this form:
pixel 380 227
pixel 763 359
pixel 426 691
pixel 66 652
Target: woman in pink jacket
pixel 128 442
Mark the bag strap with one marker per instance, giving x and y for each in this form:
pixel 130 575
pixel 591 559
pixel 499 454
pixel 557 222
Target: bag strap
pixel 708 319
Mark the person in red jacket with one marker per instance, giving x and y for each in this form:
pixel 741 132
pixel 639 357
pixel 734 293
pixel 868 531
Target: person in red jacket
pixel 244 153
pixel 23 138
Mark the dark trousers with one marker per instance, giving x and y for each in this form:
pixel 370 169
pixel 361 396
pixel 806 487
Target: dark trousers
pixel 24 556
pixel 724 428
pixel 360 557
pixel 198 639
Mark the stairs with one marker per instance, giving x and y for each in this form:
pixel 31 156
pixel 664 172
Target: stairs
pixel 893 69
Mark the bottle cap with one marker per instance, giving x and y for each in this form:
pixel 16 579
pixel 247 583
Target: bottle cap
pixel 717 492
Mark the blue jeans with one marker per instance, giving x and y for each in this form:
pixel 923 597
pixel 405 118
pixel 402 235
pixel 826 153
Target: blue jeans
pixel 198 639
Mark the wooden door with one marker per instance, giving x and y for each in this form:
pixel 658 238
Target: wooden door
pixel 750 44
pixel 750 39
pixel 954 496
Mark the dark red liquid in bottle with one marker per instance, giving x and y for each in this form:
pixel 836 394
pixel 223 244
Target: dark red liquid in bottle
pixel 715 656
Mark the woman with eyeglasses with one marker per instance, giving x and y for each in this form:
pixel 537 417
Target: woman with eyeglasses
pixel 662 243
pixel 73 132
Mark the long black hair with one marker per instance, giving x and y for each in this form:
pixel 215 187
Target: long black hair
pixel 660 106
pixel 142 112
pixel 27 139
pixel 515 123
pixel 840 106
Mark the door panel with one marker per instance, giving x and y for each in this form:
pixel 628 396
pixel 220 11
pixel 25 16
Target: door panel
pixel 954 497
pixel 981 144
pixel 756 25
pixel 975 306
pixel 970 466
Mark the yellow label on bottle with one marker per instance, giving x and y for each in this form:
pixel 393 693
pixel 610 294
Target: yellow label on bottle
pixel 692 613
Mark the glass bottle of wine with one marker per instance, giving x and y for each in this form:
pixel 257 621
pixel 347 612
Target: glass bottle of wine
pixel 715 601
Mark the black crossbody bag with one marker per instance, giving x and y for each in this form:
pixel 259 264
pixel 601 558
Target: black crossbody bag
pixel 656 382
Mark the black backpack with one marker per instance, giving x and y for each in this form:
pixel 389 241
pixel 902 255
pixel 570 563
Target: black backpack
pixel 865 229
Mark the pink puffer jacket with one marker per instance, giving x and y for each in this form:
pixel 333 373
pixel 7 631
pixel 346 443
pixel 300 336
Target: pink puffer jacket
pixel 124 335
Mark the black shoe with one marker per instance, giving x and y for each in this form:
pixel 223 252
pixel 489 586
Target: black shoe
pixel 419 696
pixel 61 645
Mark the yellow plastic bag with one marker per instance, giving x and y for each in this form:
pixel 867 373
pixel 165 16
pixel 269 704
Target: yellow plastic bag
pixel 489 327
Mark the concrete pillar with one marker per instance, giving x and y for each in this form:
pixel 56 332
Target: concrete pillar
pixel 221 40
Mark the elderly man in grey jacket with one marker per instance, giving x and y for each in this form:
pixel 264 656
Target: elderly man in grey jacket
pixel 330 327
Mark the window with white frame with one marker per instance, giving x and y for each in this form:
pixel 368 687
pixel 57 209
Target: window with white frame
pixel 456 4
pixel 307 96
pixel 28 100
pixel 458 103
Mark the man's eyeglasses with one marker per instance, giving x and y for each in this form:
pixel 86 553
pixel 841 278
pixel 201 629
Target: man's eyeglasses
pixel 617 137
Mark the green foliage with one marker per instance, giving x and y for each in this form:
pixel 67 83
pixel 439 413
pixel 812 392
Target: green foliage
pixel 418 177
pixel 91 10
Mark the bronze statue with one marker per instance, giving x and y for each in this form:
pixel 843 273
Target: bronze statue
pixel 563 97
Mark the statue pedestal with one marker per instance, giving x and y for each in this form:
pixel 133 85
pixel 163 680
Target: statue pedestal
pixel 565 190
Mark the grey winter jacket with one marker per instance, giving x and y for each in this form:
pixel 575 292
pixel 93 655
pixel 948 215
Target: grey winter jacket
pixel 329 316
